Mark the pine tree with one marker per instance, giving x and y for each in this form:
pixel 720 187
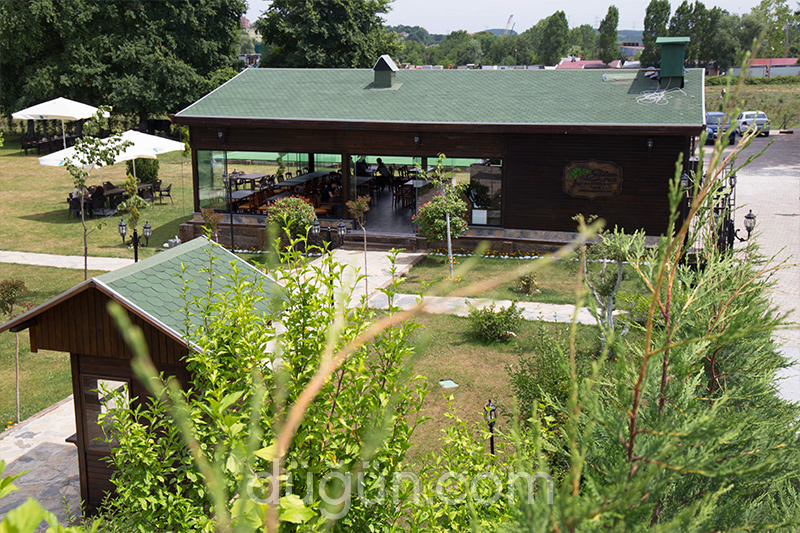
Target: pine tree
pixel 607 43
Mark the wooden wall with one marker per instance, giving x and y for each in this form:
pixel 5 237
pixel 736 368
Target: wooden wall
pixel 533 197
pixel 82 325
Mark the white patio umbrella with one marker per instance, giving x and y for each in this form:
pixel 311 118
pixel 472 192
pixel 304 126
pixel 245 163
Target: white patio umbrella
pixel 142 145
pixel 59 109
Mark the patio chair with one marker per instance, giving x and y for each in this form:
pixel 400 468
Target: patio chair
pixel 157 190
pixel 166 192
pixel 99 206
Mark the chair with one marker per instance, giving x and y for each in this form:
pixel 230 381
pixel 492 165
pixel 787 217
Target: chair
pixel 108 186
pixel 75 206
pixel 157 189
pixel 99 206
pixel 165 192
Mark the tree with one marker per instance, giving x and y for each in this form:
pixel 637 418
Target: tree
pixel 607 49
pixel 555 35
pixel 324 34
pixel 584 37
pixel 655 25
pixel 91 152
pixel 780 20
pixel 359 208
pixel 140 57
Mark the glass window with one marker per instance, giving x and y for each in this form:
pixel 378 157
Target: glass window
pixel 98 399
pixel 484 193
pixel 211 190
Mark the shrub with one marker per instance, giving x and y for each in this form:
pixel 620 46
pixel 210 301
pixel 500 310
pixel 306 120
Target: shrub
pixel 490 325
pixel 146 169
pixel 430 220
pixel 293 214
pixel 526 284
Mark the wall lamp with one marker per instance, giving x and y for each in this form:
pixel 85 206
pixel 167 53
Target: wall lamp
pixel 416 140
pixel 221 136
pixel 649 146
pixel 749 224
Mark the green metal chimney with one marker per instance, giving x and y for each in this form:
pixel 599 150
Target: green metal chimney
pixel 673 52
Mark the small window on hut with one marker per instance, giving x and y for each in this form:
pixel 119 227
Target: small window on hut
pixel 101 397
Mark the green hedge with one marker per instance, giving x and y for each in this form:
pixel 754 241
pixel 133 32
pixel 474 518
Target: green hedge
pixel 777 80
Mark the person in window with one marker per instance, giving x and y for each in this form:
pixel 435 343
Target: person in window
pixel 383 170
pixel 361 166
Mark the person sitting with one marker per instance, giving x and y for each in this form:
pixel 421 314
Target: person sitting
pixel 361 166
pixel 383 170
pixel 330 192
pixel 83 191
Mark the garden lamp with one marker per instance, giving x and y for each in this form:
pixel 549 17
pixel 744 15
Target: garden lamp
pixel 491 418
pixel 315 230
pixel 123 229
pixel 341 229
pixel 147 230
pixel 749 224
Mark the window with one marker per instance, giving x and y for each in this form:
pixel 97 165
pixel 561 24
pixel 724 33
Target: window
pixel 102 396
pixel 484 193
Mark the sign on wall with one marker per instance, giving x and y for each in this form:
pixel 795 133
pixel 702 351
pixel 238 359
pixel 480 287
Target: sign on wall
pixel 592 179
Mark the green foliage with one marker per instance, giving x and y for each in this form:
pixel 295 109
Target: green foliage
pixel 10 292
pixel 146 169
pixel 607 49
pixel 246 374
pixel 723 81
pixel 554 38
pixel 139 57
pixel 293 214
pixel 490 325
pixel 132 203
pixel 322 34
pixel 526 284
pixel 431 219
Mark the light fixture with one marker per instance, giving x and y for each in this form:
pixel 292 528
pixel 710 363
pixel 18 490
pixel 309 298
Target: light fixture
pixel 491 418
pixel 123 229
pixel 749 225
pixel 221 136
pixel 684 180
pixel 147 231
pixel 315 230
pixel 732 181
pixel 341 229
pixel 650 144
pixel 416 140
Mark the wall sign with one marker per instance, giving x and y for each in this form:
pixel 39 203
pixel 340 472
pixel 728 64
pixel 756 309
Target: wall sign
pixel 592 179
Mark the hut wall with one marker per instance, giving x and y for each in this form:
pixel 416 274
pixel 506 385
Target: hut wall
pixel 533 195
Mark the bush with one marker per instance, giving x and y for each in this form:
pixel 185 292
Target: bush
pixel 430 220
pixel 146 169
pixel 293 214
pixel 526 284
pixel 490 325
pixel 717 81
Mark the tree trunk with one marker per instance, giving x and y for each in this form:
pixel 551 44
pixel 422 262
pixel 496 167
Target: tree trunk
pixel 366 277
pixel 449 245
pixel 85 239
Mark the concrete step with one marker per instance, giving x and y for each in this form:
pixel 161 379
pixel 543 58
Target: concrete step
pixel 383 242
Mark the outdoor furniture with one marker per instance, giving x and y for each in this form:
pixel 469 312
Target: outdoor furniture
pixel 99 206
pixel 166 192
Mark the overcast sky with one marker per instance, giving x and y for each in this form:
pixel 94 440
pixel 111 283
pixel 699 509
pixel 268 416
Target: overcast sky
pixel 444 16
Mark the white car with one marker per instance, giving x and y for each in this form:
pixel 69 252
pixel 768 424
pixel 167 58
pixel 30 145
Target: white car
pixel 749 120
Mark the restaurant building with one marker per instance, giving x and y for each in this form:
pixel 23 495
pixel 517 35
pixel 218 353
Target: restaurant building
pixel 536 146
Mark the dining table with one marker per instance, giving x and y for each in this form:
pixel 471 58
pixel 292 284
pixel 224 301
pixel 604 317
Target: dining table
pixel 251 178
pixel 303 178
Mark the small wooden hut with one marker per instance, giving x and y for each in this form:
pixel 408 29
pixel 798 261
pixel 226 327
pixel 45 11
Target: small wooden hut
pixel 157 301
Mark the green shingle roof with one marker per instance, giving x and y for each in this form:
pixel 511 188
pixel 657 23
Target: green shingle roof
pixel 547 97
pixel 155 286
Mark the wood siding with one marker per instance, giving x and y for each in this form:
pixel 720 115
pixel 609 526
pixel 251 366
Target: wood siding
pixel 533 197
pixel 95 470
pixel 82 325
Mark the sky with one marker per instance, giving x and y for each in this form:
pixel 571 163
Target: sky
pixel 445 16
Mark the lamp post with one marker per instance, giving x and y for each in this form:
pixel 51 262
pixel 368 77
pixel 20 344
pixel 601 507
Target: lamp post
pixel 123 230
pixel 341 229
pixel 227 182
pixel 491 417
pixel 147 231
pixel 315 231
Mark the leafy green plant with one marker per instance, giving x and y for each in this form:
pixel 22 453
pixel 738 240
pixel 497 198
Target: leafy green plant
pixel 292 215
pixel 490 325
pixel 146 170
pixel 359 208
pixel 526 284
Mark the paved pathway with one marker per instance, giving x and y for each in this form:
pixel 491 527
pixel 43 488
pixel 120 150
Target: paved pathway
pixel 770 187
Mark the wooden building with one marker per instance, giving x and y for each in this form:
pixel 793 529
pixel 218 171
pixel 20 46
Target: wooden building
pixel 602 142
pixel 77 322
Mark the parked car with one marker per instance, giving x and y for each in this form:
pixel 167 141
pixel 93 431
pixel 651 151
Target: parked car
pixel 753 119
pixel 713 122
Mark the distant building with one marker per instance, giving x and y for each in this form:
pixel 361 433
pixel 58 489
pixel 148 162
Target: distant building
pixel 766 67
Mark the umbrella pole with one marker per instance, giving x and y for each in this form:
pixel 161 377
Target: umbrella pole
pixel 63 133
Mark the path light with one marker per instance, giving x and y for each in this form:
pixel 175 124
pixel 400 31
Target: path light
pixel 749 224
pixel 315 230
pixel 147 230
pixel 123 230
pixel 491 418
pixel 341 229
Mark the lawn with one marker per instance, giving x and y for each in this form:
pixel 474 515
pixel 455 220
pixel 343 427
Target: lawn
pixel 44 376
pixel 35 207
pixel 777 101
pixel 556 282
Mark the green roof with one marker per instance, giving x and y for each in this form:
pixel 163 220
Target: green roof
pixel 532 97
pixel 156 287
pixel 672 40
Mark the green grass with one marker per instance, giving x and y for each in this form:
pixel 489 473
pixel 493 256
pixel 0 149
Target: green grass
pixel 479 369
pixel 777 101
pixel 556 282
pixel 35 215
pixel 44 376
